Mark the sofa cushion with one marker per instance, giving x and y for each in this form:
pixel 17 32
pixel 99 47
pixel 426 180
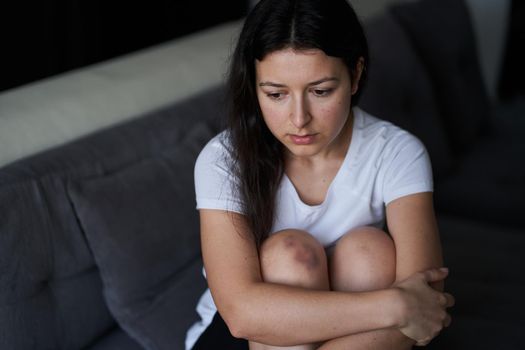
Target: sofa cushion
pixel 489 184
pixel 142 226
pixel 441 32
pixel 400 90
pixel 50 289
pixel 486 278
pixel 116 339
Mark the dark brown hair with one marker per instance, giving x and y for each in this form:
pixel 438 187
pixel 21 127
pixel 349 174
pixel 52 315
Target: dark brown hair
pixel 257 158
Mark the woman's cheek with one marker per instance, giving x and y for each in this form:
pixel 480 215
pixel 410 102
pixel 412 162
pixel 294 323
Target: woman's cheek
pixel 339 109
pixel 329 112
pixel 273 115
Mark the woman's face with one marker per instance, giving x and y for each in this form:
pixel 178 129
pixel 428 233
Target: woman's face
pixel 305 99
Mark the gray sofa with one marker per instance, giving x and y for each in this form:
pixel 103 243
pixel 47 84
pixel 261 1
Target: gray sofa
pixel 104 229
pixel 99 243
pixel 99 240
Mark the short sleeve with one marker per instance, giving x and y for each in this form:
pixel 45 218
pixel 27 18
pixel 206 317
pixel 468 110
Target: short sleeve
pixel 214 182
pixel 407 170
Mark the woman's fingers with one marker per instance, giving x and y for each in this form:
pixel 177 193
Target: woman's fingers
pixel 448 320
pixel 435 275
pixel 427 307
pixel 450 300
pixel 446 323
pixel 446 300
pixel 423 342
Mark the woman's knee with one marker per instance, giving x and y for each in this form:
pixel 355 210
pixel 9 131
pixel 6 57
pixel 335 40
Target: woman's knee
pixel 363 259
pixel 294 257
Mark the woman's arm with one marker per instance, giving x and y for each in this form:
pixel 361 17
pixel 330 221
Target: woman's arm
pixel 412 224
pixel 277 314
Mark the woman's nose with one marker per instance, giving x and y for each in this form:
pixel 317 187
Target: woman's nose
pixel 300 115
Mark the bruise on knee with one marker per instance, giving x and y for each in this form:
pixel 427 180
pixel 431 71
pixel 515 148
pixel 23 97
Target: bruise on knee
pixel 303 253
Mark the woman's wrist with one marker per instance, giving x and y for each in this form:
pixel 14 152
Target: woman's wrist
pixel 395 308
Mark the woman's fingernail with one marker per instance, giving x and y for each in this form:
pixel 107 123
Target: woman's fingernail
pixel 444 269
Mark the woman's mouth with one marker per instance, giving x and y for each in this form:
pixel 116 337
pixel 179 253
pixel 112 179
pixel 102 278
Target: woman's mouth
pixel 303 139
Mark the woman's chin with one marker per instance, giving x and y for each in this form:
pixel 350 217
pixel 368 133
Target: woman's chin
pixel 303 150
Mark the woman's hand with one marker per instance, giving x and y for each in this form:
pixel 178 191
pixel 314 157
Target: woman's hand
pixel 424 308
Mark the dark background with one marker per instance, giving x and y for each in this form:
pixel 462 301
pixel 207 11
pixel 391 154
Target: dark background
pixel 512 80
pixel 44 38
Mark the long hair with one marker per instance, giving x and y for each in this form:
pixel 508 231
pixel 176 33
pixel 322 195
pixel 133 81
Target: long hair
pixel 257 157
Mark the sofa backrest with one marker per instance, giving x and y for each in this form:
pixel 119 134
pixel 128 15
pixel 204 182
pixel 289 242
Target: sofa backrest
pixel 400 90
pixel 60 109
pixel 51 293
pixel 425 77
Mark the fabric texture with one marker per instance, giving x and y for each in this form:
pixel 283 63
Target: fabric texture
pixel 50 296
pixel 144 237
pixel 116 340
pixel 383 163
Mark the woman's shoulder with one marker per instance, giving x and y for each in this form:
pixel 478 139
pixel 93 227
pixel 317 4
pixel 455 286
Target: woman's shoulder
pixel 217 148
pixel 215 183
pixel 382 142
pixel 373 129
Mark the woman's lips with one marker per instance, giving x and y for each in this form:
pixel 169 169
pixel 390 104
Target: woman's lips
pixel 303 140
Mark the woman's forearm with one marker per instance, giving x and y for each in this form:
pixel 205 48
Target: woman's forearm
pixel 283 315
pixel 391 339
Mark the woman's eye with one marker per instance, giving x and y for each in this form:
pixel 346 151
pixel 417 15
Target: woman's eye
pixel 275 95
pixel 322 92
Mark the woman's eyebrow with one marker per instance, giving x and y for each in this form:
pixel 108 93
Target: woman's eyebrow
pixel 320 81
pixel 317 82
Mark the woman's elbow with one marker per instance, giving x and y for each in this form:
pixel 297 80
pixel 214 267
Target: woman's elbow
pixel 234 313
pixel 235 323
pixel 237 331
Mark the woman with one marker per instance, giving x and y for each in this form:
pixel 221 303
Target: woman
pixel 294 196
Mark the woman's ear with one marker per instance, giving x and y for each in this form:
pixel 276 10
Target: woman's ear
pixel 356 76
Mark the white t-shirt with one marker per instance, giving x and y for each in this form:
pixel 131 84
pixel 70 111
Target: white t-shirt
pixel 383 163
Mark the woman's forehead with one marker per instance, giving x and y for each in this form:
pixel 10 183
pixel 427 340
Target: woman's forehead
pixel 293 64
